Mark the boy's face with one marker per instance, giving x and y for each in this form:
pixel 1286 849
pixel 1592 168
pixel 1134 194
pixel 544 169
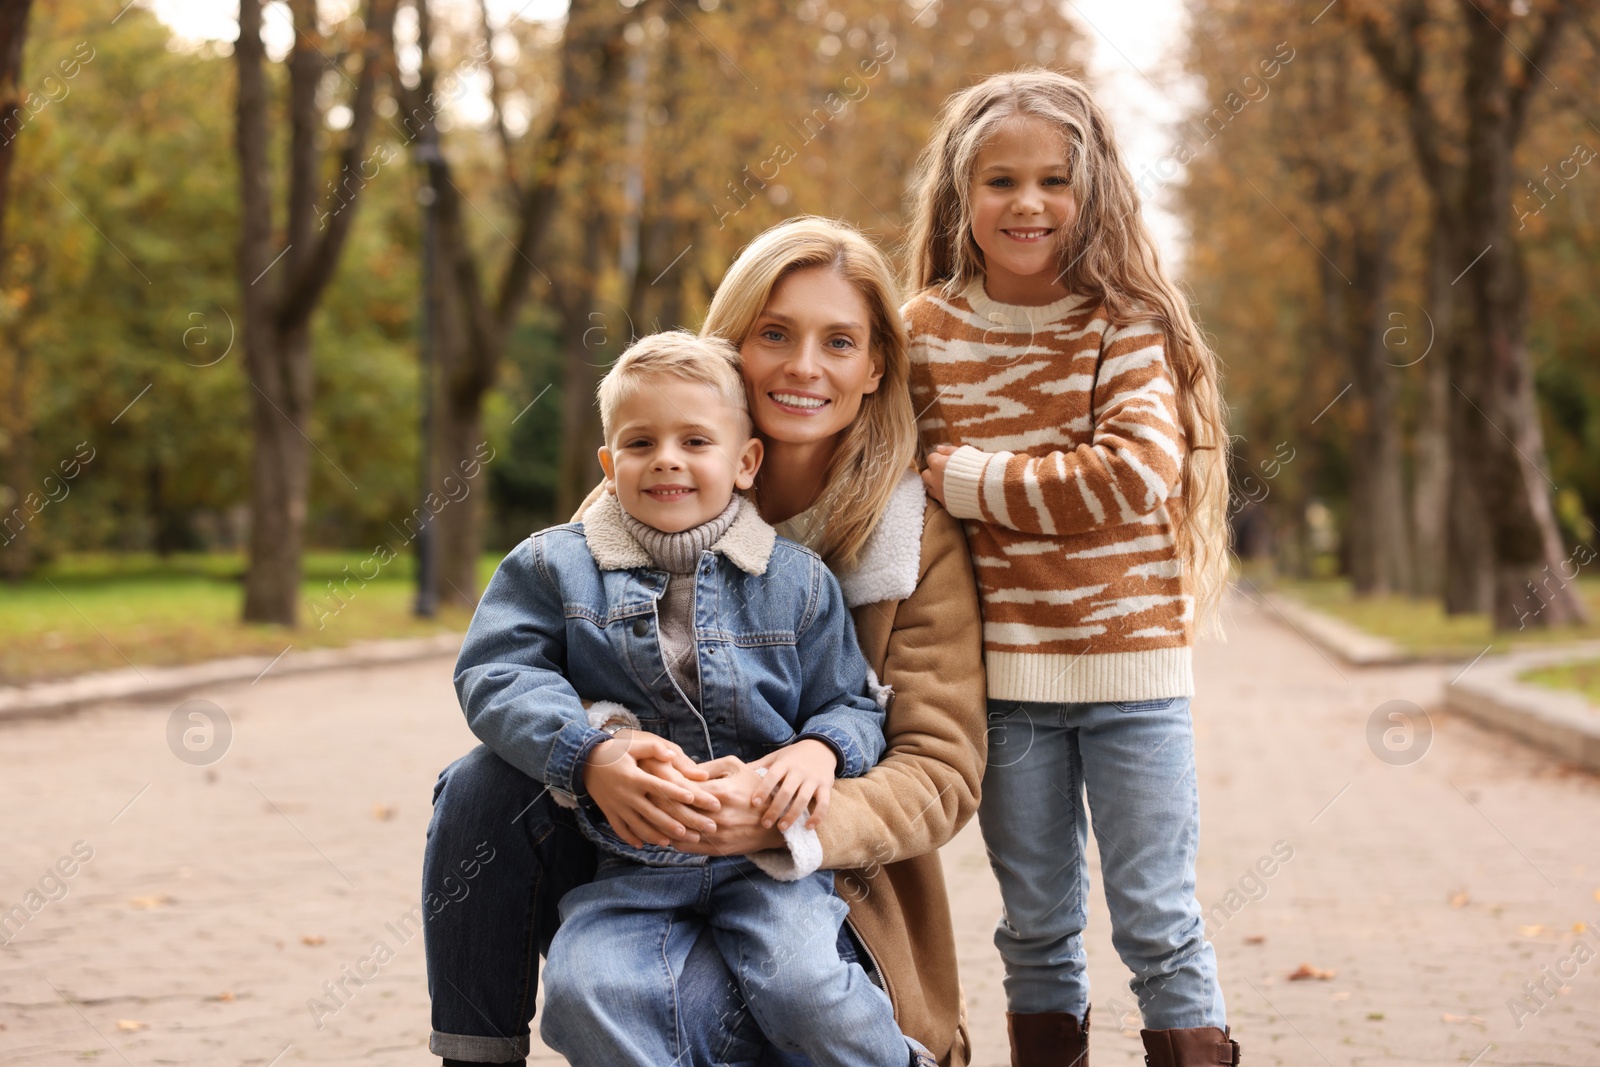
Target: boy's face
pixel 677 453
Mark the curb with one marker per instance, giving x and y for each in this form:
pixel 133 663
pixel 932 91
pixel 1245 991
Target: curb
pixel 1562 723
pixel 45 698
pixel 1355 647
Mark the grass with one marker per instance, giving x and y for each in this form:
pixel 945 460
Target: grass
pixel 1583 676
pixel 105 611
pixel 1421 626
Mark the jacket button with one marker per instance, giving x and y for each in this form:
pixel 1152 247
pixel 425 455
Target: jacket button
pixel 640 626
pixel 721 719
pixel 667 695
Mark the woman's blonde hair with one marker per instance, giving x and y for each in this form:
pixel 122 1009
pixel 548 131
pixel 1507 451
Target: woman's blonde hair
pixel 879 445
pixel 1109 254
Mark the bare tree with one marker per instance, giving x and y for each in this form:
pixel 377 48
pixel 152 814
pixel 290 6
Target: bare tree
pixel 1503 542
pixel 279 298
pixel 476 315
pixel 15 556
pixel 13 33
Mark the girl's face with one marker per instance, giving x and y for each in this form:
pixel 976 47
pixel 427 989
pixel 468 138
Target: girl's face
pixel 808 358
pixel 1022 210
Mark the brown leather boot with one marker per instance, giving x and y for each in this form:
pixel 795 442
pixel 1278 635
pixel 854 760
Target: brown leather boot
pixel 1203 1046
pixel 1048 1039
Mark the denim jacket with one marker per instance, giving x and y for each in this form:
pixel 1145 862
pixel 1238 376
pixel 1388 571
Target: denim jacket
pixel 570 615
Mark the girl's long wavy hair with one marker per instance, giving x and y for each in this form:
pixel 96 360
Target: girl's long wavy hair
pixel 1108 254
pixel 879 446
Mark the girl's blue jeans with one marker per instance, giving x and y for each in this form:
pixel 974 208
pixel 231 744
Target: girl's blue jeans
pixel 500 856
pixel 1135 763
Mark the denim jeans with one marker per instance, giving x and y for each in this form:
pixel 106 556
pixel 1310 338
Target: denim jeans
pixel 611 974
pixel 484 934
pixel 1135 761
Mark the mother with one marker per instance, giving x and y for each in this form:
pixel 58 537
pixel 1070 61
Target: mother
pixel 811 305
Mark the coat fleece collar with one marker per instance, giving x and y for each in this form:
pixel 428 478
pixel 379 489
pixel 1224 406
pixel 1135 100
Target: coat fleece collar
pixel 891 561
pixel 747 544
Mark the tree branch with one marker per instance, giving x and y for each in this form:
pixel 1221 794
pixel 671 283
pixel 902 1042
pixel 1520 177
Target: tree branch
pixel 307 284
pixel 1529 74
pixel 1399 62
pixel 496 100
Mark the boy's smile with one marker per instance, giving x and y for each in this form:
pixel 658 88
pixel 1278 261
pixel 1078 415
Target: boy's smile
pixel 677 453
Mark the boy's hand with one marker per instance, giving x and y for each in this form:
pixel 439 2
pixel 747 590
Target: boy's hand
pixel 799 777
pixel 933 477
pixel 630 796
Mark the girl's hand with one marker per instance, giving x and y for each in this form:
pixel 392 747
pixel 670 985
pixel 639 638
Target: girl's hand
pixel 933 477
pixel 635 802
pixel 797 775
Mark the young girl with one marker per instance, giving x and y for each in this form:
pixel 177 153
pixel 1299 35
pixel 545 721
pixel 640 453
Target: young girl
pixel 1071 415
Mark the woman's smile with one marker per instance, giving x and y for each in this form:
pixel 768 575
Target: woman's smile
pixel 799 403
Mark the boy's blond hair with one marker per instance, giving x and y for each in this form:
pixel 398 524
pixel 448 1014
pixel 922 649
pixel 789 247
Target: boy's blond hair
pixel 677 355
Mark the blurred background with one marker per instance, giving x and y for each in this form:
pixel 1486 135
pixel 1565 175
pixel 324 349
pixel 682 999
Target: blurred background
pixel 279 320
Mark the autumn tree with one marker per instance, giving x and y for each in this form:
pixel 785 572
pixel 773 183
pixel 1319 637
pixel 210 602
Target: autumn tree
pixel 280 291
pixel 1466 87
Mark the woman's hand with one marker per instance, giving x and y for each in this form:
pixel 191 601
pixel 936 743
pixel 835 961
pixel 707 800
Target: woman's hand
pixel 933 477
pixel 797 775
pixel 658 806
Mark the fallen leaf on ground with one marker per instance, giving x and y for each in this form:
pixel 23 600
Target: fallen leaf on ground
pixel 1459 900
pixel 1448 1018
pixel 1531 931
pixel 1305 972
pixel 150 902
pixel 1255 939
pixel 1579 928
pixel 129 1025
pixel 384 812
pixel 312 939
pixel 225 995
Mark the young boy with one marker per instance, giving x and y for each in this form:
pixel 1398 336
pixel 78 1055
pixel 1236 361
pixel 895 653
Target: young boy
pixel 682 614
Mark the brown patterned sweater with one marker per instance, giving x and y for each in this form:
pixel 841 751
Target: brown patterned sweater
pixel 1067 479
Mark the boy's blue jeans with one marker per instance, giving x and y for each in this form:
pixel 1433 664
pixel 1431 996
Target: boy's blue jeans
pixel 1135 761
pixel 484 934
pixel 611 977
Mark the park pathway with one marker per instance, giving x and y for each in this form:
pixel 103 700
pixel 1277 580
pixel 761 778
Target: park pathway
pixel 1445 883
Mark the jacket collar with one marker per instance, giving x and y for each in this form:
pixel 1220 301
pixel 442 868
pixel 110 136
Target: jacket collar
pixel 747 544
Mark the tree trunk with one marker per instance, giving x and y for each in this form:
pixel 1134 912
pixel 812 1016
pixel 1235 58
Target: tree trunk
pixel 589 342
pixel 16 538
pixel 1431 439
pixel 280 472
pixel 13 34
pixel 1508 444
pixel 480 322
pixel 459 527
pixel 280 291
pixel 1381 554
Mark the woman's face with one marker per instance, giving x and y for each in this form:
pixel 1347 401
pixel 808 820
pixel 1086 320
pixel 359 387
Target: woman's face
pixel 808 358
